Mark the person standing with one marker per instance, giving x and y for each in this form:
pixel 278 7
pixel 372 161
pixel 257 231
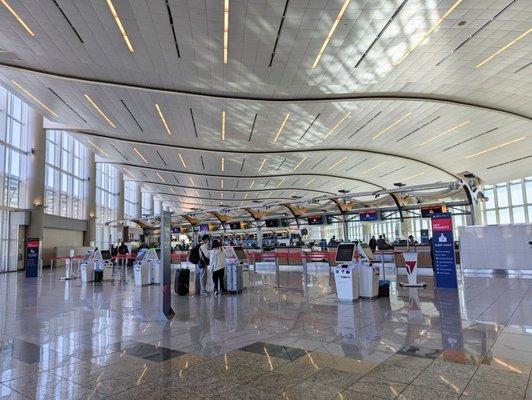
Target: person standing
pixel 217 263
pixel 373 244
pixel 201 267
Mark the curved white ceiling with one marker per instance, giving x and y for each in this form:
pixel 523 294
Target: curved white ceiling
pixel 369 114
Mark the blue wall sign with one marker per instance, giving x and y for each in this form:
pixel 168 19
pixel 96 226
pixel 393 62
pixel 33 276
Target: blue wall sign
pixel 443 251
pixel 32 257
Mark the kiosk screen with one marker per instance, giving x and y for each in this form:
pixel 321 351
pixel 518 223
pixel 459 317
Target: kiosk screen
pixel 106 254
pixel 87 255
pixel 345 252
pixel 240 253
pixel 140 255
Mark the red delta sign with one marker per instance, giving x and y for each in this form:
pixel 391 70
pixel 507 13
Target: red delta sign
pixel 442 224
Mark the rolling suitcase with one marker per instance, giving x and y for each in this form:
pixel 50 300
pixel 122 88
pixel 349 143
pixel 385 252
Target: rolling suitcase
pixel 384 285
pixel 181 281
pixel 234 278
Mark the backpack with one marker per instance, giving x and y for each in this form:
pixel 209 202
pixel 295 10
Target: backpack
pixel 194 256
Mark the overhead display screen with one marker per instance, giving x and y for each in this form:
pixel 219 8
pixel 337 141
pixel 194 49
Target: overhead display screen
pixel 428 212
pixel 370 215
pixel 345 252
pixel 272 223
pixel 315 220
pixel 235 225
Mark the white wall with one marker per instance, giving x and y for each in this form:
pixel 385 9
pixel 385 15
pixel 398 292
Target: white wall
pixel 496 247
pixel 59 238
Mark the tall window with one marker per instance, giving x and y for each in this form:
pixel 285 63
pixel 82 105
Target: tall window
pixel 13 158
pixel 130 199
pixel 106 205
pixel 508 202
pixel 147 201
pixel 64 175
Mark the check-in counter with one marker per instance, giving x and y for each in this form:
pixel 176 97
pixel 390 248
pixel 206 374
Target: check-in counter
pixel 424 259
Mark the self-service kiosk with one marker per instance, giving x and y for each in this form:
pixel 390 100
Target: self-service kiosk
pixel 346 273
pixel 92 261
pixel 108 265
pixel 369 274
pixel 152 258
pixel 141 269
pixel 233 276
pixel 243 260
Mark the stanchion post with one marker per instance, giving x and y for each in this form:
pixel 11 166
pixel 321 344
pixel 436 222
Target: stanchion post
pixel 305 270
pixel 277 277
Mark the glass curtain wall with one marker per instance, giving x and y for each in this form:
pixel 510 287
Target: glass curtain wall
pixel 14 114
pixel 508 202
pixel 64 175
pixel 106 205
pixel 130 199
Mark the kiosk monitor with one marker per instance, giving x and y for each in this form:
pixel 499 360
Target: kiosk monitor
pixel 345 252
pixel 141 254
pixel 87 255
pixel 240 253
pixel 106 255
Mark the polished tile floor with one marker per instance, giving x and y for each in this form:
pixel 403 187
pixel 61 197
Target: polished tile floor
pixel 64 340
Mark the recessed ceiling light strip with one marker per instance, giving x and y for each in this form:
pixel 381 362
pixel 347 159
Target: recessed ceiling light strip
pixel 337 163
pixel 382 164
pixel 444 133
pixel 262 164
pixel 252 184
pixel 281 182
pixel 391 126
pixel 309 182
pixel 223 125
pixel 17 17
pixel 34 98
pixel 98 147
pixel 222 164
pixel 412 177
pixel 337 125
pixel 331 32
pixel 172 190
pixel 299 163
pixel 163 120
pixel 221 184
pixel 160 177
pixel 181 159
pixel 281 127
pixel 517 39
pixel 99 110
pixel 120 26
pixel 226 30
pixel 140 155
pixel 426 35
pixel 496 147
pixel 129 172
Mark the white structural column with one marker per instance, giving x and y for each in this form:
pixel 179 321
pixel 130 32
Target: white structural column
pixel 120 196
pixel 138 200
pixel 158 205
pixel 36 168
pixel 90 200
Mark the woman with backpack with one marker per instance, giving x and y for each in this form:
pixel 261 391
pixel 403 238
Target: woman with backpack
pixel 217 264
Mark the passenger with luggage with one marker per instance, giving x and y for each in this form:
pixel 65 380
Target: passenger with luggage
pixel 201 266
pixel 217 264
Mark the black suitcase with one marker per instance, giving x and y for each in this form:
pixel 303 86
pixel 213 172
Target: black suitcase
pixel 98 276
pixel 181 282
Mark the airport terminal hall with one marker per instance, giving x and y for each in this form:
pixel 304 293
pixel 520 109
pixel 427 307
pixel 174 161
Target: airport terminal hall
pixel 266 199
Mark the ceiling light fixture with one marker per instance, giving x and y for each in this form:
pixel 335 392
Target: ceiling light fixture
pixel 222 184
pixel 269 195
pixel 246 196
pixel 426 35
pixel 127 171
pixel 504 48
pixel 412 177
pixel 182 161
pixel 98 147
pixel 444 133
pixel 331 32
pixel 163 120
pixel 496 147
pixel 222 166
pixel 252 184
pixel 120 26
pixel 292 194
pixel 280 183
pixel 140 155
pixel 192 183
pixel 281 127
pixel 223 125
pixel 337 163
pixel 226 29
pixel 299 164
pixel 391 126
pixel 337 125
pixel 99 110
pixel 172 190
pixel 309 182
pixel 262 164
pixel 160 177
pixel 34 99
pixel 20 20
pixel 375 167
